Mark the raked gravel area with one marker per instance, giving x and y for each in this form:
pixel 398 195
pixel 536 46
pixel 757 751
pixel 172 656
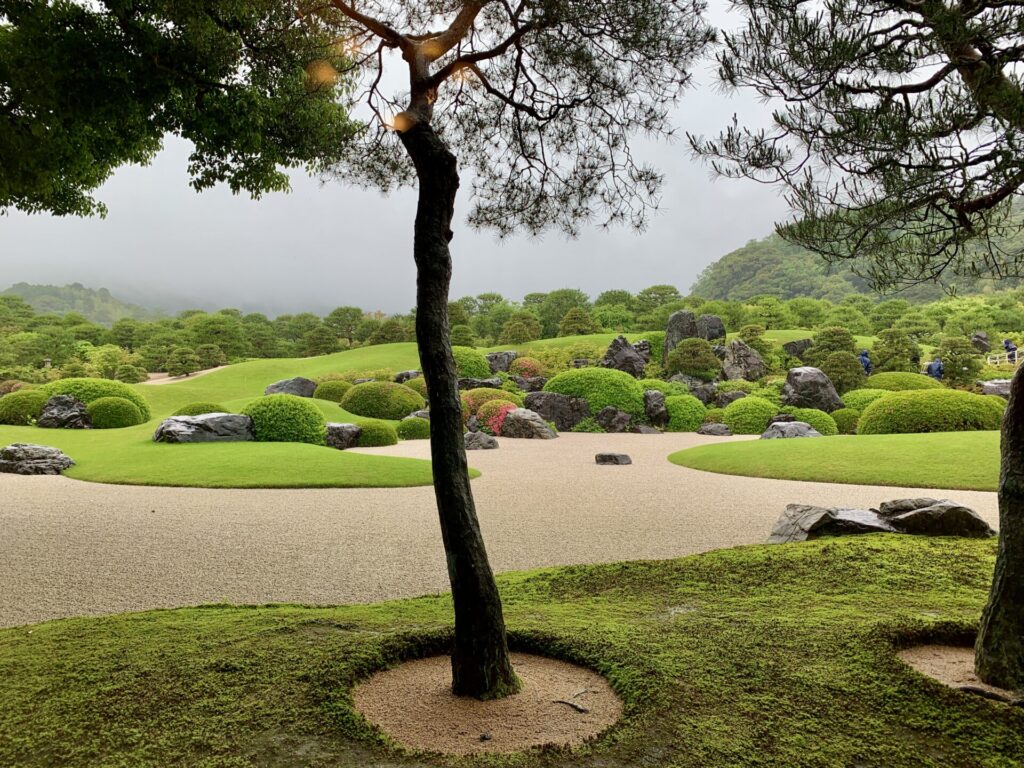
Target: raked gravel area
pixel 69 548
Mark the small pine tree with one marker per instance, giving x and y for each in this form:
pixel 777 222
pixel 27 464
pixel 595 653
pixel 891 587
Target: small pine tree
pixel 694 357
pixel 578 322
pixel 960 361
pixel 210 356
pixel 181 362
pixel 844 370
pixel 462 336
pixel 896 352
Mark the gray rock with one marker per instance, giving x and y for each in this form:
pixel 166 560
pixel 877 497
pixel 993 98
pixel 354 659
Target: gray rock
pixel 494 383
pixel 808 387
pixel 473 424
pixel 655 408
pixel 781 418
pixel 64 412
pixel 742 362
pixel 980 342
pixel 720 350
pixel 643 348
pixel 208 428
pixel 405 376
pixel 343 436
pixel 480 441
pixel 710 327
pixel 525 424
pixel 613 420
pixel 706 392
pixel 787 430
pixel 1000 387
pixel 363 381
pixel 613 459
pixel 940 518
pixel 500 361
pixel 29 459
pixel 299 386
pixel 728 398
pixel 715 430
pixel 798 348
pixel 425 414
pixel 681 325
pixel 644 429
pixel 621 356
pixel 580 363
pixel 801 522
pixel 690 382
pixel 564 411
pixel 899 506
pixel 532 384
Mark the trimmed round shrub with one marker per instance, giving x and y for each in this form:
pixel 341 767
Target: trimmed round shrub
pixel 200 409
pixel 844 371
pixel 859 399
pixel 901 382
pixel 474 398
pixel 601 387
pixel 413 429
pixel 88 390
pixel 941 410
pixel 376 434
pixel 819 420
pixel 527 367
pixel 332 391
pixel 382 400
pixel 419 386
pixel 22 406
pixel 685 413
pixel 471 364
pixel 694 357
pixel 114 413
pixel 846 420
pixel 667 388
pixel 715 416
pixel 492 414
pixel 749 416
pixel 131 374
pixel 286 419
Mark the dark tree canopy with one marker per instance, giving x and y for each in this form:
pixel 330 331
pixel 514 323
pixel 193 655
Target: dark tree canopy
pixel 898 130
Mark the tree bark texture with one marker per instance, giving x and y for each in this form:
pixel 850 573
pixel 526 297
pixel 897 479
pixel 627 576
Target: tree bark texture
pixel 999 653
pixel 481 666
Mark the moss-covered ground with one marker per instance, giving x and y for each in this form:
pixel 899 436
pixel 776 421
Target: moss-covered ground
pixel 760 656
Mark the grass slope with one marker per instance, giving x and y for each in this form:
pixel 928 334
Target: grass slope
pixel 954 460
pixel 761 656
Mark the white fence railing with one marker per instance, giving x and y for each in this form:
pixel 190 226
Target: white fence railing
pixel 1005 359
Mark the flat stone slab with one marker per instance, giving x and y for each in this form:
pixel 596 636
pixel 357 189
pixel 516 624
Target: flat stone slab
pixel 613 459
pixel 31 459
pixel 715 430
pixel 802 522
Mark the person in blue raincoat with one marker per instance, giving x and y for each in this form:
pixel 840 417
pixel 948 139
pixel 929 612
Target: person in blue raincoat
pixel 1011 351
pixel 936 369
pixel 865 361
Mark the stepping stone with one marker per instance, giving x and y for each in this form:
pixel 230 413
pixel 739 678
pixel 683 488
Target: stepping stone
pixel 613 459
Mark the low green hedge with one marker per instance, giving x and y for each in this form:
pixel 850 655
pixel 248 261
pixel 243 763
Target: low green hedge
pixel 942 410
pixel 114 413
pixel 200 409
pixel 749 416
pixel 820 420
pixel 286 419
pixel 859 399
pixel 685 413
pixel 382 400
pixel 846 420
pixel 88 390
pixel 22 406
pixel 601 387
pixel 376 434
pixel 470 363
pixel 901 382
pixel 332 391
pixel 413 429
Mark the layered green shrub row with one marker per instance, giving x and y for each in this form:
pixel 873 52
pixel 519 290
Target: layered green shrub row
pixel 332 391
pixel 413 429
pixel 22 406
pixel 114 413
pixel 942 410
pixel 685 413
pixel 901 382
pixel 199 409
pixel 382 400
pixel 88 390
pixel 286 419
pixel 376 434
pixel 749 416
pixel 601 387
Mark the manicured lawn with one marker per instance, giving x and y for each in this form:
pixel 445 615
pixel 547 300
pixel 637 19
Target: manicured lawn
pixel 955 460
pixel 761 656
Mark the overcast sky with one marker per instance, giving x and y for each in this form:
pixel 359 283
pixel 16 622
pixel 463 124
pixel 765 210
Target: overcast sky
pixel 319 247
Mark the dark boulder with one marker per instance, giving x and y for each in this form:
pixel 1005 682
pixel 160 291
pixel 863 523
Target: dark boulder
pixel 706 392
pixel 532 384
pixel 643 348
pixel 710 327
pixel 406 376
pixel 64 412
pixel 621 356
pixel 29 459
pixel 743 362
pixel 480 441
pixel 655 408
pixel 563 411
pixel 801 522
pixel 343 436
pixel 715 430
pixel 798 348
pixel 613 459
pixel 424 414
pixel 980 342
pixel 526 425
pixel 781 418
pixel 208 428
pixel 808 387
pixel 681 325
pixel 998 387
pixel 929 517
pixel 726 399
pixel 299 386
pixel 613 420
pixel 494 383
pixel 783 430
pixel 580 363
pixel 500 361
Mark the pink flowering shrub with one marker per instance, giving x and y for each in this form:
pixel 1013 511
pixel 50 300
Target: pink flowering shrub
pixel 492 414
pixel 527 367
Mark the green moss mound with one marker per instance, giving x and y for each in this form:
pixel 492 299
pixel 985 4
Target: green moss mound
pixel 859 399
pixel 22 406
pixel 901 382
pixel 470 363
pixel 413 429
pixel 286 419
pixel 419 386
pixel 846 420
pixel 88 390
pixel 601 387
pixel 377 434
pixel 686 413
pixel 114 413
pixel 382 400
pixel 749 416
pixel 820 420
pixel 942 410
pixel 332 391
pixel 667 388
pixel 200 409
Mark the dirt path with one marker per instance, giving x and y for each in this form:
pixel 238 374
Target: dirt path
pixel 158 379
pixel 69 548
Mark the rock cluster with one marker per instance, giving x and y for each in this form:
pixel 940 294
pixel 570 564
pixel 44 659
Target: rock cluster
pixel 500 361
pixel 613 421
pixel 29 459
pixel 715 430
pixel 655 408
pixel 684 325
pixel 743 362
pixel 480 441
pixel 494 383
pixel 563 411
pixel 64 412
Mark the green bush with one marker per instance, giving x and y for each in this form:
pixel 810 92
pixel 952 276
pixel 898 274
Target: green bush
pixel 901 382
pixel 667 388
pixel 685 413
pixel 474 398
pixel 471 364
pixel 88 390
pixel 333 391
pixel 462 336
pixel 286 419
pixel 22 406
pixel 382 400
pixel 376 434
pixel 738 385
pixel 844 371
pixel 589 424
pixel 859 399
pixel 827 341
pixel 770 391
pixel 114 413
pixel 846 420
pixel 130 374
pixel 419 386
pixel 694 357
pixel 527 367
pixel 200 409
pixel 714 416
pixel 940 410
pixel 895 351
pixel 749 416
pixel 960 360
pixel 601 387
pixel 657 340
pixel 820 420
pixel 413 429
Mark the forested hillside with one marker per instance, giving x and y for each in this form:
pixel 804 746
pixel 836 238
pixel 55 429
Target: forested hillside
pixel 97 306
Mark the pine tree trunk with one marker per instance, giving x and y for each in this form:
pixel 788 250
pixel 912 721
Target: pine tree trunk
pixel 999 654
pixel 480 659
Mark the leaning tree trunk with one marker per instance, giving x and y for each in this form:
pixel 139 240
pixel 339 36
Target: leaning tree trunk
pixel 480 660
pixel 999 657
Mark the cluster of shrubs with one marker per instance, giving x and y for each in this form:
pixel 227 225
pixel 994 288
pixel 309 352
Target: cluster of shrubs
pixel 88 390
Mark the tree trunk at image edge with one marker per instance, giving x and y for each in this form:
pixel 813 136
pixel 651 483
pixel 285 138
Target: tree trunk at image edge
pixel 999 658
pixel 480 660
